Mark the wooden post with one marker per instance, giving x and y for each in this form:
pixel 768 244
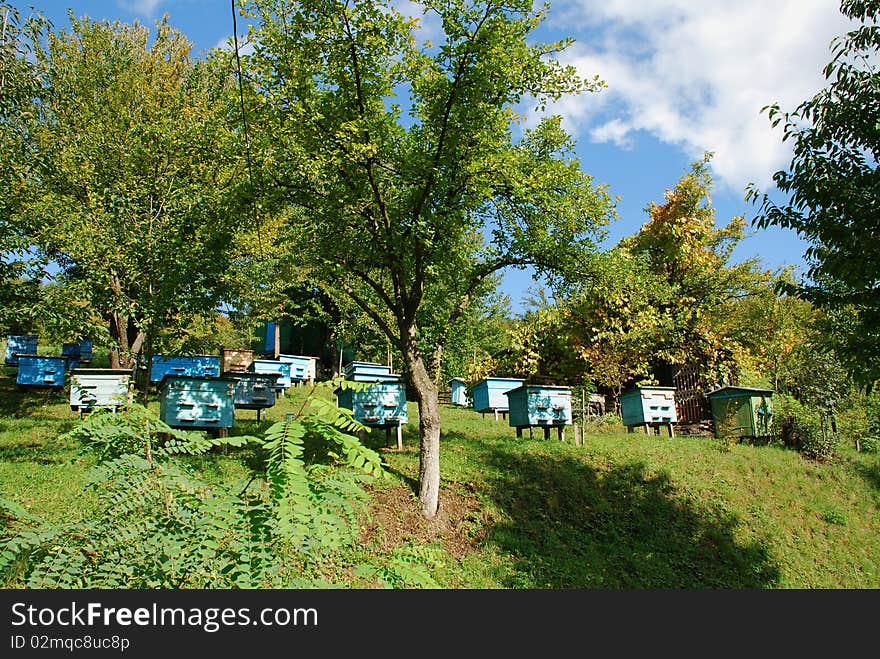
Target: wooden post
pixel 671 431
pixel 399 437
pixel 577 439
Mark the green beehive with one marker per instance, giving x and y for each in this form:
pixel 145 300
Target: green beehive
pixel 741 411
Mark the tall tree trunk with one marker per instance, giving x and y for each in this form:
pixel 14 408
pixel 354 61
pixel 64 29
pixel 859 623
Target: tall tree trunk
pixel 119 334
pixel 429 427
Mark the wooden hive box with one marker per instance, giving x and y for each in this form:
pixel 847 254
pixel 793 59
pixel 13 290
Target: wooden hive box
pixel 489 393
pixel 539 406
pixel 650 407
pixel 233 360
pixel 302 368
pixel 283 380
pixel 99 387
pixel 198 366
pixel 254 391
pixel 200 403
pixel 19 344
pixel 745 412
pixel 40 371
pixel 458 392
pixel 364 369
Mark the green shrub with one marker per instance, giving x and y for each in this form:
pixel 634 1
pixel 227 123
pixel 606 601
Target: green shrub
pixel 604 423
pixel 860 422
pixel 804 428
pixel 161 526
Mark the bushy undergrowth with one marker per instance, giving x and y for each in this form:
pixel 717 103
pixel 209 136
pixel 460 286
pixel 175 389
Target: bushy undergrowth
pixel 860 422
pixel 806 428
pixel 161 526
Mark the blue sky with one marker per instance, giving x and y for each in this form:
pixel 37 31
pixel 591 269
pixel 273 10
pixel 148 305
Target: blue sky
pixel 683 77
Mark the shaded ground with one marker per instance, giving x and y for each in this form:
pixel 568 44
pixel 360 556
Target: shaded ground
pixel 395 519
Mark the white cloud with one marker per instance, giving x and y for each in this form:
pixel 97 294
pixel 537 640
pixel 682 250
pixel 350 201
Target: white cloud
pixel 143 7
pixel 245 47
pixel 696 74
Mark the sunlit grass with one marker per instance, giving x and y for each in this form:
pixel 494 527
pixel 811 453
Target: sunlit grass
pixel 620 511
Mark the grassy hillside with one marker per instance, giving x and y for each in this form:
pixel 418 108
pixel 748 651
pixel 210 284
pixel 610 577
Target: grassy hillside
pixel 621 511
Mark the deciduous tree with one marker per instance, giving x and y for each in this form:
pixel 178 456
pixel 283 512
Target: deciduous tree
pixel 417 183
pixel 831 189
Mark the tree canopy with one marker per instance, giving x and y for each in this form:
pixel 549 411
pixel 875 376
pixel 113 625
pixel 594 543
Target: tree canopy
pixel 414 181
pixel 831 188
pixel 133 194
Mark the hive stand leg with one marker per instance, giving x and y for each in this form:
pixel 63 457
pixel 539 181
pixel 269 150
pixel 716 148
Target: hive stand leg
pixel 574 429
pixel 519 431
pixel 561 431
pixel 648 430
pixel 531 433
pixel 630 430
pixel 546 432
pixel 399 437
pixel 258 413
pixel 496 415
pixel 671 431
pixel 387 435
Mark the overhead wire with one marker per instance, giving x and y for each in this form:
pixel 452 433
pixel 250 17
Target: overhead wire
pixel 247 140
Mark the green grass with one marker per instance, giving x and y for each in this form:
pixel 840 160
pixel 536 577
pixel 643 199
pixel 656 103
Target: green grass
pixel 621 511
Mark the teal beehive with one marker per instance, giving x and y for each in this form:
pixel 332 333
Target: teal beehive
pixel 539 406
pixel 282 369
pixel 364 369
pixel 650 407
pixel 199 403
pixel 302 368
pixel 489 394
pixel 458 392
pixel 382 404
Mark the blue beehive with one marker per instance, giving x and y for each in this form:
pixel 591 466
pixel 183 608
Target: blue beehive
pixel 272 366
pixel 650 407
pixel 302 369
pixel 200 366
pixel 382 404
pixel 254 391
pixel 458 393
pixel 488 394
pixel 40 371
pixel 71 354
pixel 23 344
pixel 365 369
pixel 99 387
pixel 85 350
pixel 539 405
pixel 197 402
